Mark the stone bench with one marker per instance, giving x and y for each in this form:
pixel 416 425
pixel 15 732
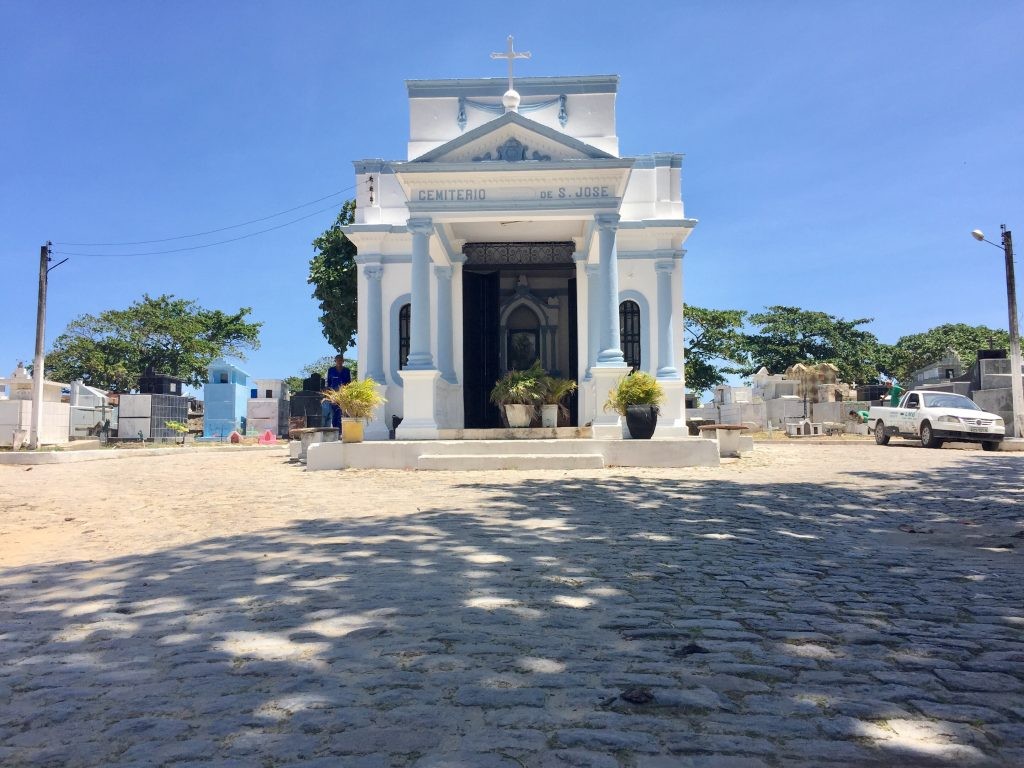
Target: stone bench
pixel 730 444
pixel 307 436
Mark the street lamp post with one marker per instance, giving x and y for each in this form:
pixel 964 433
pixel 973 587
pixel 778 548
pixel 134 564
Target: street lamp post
pixel 1016 382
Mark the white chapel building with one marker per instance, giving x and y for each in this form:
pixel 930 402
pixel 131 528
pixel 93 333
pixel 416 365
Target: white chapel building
pixel 515 231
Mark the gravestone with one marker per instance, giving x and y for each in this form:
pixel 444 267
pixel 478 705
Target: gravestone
pixel 306 404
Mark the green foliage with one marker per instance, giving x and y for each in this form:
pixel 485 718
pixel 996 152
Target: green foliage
pixel 176 426
pixel 332 271
pixel 554 390
pixel 357 400
pixel 785 336
pixel 320 365
pixel 174 336
pixel 638 388
pixel 519 387
pixel 712 336
pixel 917 350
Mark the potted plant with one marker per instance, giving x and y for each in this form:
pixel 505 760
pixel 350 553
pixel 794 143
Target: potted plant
pixel 636 397
pixel 553 392
pixel 518 392
pixel 357 402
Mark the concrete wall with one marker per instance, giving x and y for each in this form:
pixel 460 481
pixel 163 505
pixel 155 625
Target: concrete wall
pixel 54 426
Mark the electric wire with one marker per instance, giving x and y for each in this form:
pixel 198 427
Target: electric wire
pixel 196 247
pixel 209 231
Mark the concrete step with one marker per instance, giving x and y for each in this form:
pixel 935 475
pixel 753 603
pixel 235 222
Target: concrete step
pixel 511 447
pixel 464 461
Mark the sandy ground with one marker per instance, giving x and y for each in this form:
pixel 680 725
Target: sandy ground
pixel 96 510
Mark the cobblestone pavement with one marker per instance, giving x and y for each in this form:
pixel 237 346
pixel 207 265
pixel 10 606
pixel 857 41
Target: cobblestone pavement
pixel 812 605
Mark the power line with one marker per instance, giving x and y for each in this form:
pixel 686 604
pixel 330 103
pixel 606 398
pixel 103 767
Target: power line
pixel 198 247
pixel 209 231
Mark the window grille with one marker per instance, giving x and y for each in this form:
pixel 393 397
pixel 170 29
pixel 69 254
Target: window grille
pixel 404 319
pixel 629 333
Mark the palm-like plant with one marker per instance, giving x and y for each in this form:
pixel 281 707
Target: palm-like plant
pixel 357 400
pixel 638 388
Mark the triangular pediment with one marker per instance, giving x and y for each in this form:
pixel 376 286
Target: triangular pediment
pixel 512 138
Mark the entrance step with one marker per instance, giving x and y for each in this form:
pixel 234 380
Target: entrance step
pixel 464 461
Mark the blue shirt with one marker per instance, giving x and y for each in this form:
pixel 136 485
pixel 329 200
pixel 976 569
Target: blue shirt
pixel 337 379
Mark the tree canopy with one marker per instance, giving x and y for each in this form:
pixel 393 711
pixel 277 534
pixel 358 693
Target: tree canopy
pixel 333 273
pixel 917 350
pixel 320 365
pixel 783 336
pixel 713 336
pixel 174 336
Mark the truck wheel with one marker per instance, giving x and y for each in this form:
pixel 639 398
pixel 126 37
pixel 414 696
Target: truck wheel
pixel 928 439
pixel 990 445
pixel 880 437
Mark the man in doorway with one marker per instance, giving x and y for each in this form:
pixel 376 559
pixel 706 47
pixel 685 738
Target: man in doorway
pixel 337 377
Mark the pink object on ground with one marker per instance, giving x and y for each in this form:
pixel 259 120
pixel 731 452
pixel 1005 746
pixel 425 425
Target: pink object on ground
pixel 267 438
pixel 235 438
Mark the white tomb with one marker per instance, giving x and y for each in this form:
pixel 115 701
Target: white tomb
pixel 267 407
pixel 16 411
pixel 515 230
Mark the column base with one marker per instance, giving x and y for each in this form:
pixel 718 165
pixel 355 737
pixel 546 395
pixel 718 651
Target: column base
pixel 377 429
pixel 672 413
pixel 419 420
pixel 607 425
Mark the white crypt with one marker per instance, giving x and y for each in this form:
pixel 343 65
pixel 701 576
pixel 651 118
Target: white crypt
pixel 515 231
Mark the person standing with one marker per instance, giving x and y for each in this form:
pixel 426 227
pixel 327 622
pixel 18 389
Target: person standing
pixel 337 377
pixel 895 390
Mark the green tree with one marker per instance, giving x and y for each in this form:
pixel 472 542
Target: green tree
pixel 332 271
pixel 175 336
pixel 784 336
pixel 320 365
pixel 919 349
pixel 713 336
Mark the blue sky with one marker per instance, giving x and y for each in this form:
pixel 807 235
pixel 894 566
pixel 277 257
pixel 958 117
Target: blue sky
pixel 837 154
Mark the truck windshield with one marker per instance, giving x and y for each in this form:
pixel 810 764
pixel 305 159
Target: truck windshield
pixel 946 400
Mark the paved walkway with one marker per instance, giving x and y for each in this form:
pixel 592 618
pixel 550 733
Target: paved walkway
pixel 809 606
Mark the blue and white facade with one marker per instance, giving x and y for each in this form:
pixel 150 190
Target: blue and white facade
pixel 515 229
pixel 225 399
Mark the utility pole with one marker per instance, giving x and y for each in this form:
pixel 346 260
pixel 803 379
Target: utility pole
pixel 1016 383
pixel 37 364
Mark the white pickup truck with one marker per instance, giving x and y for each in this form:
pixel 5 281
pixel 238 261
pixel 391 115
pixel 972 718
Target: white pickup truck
pixel 935 418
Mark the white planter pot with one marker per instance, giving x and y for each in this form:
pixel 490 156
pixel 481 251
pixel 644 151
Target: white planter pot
pixel 519 415
pixel 549 415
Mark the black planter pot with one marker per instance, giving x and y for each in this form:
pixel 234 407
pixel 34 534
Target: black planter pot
pixel 641 421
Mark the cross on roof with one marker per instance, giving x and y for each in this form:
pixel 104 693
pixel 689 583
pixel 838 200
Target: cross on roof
pixel 511 54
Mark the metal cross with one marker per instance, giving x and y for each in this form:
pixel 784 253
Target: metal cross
pixel 511 54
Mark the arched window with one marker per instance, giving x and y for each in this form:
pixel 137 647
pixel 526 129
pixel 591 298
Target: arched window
pixel 404 315
pixel 629 333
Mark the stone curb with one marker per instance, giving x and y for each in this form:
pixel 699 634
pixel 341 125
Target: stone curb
pixel 23 458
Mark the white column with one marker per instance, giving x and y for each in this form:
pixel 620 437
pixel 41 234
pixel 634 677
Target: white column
pixel 420 357
pixel 593 314
pixel 666 314
pixel 610 355
pixel 374 323
pixel 611 364
pixel 419 377
pixel 445 358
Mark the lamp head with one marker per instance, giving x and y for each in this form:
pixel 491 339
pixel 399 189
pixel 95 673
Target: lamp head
pixel 978 235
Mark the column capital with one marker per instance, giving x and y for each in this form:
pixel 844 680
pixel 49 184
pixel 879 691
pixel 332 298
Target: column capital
pixel 373 272
pixel 420 225
pixel 664 266
pixel 608 221
pixel 443 273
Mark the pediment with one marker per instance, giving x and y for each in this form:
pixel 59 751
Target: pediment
pixel 512 138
